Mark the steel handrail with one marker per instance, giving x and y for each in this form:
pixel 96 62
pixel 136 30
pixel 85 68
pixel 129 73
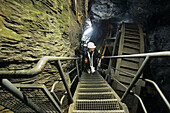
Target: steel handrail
pixel 34 71
pixel 154 54
pixel 135 79
pixel 138 97
pixel 159 91
pixel 137 76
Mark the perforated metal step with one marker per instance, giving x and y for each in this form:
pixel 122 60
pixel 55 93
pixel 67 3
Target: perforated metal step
pixel 105 104
pixel 98 111
pixel 38 94
pixel 101 95
pixel 92 85
pixel 96 90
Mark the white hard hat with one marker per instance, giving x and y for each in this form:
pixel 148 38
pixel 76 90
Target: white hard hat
pixel 91 45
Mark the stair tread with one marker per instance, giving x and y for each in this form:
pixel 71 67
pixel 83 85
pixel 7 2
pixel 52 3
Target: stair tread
pixel 98 111
pixel 98 105
pixel 134 46
pixel 130 50
pixel 131 30
pixel 125 79
pixel 132 37
pixel 97 100
pixel 91 79
pixel 95 88
pixel 129 65
pixel 102 93
pixel 132 59
pixel 93 84
pixel 132 41
pixel 131 33
pixel 127 70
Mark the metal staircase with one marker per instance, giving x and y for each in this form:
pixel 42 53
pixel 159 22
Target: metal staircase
pixel 94 95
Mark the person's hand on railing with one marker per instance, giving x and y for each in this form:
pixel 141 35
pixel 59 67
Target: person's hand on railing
pixel 102 57
pixel 85 60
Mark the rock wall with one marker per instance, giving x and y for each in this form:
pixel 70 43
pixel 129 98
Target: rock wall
pixel 158 39
pixel 31 29
pixel 159 69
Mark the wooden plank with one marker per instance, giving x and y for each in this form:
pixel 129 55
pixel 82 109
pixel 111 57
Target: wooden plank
pixel 141 40
pixel 129 64
pixel 132 41
pixel 141 48
pixel 136 38
pixel 132 30
pixel 128 70
pixel 120 50
pixel 125 79
pixel 121 88
pixel 130 50
pixel 132 59
pixel 131 33
pixel 128 80
pixel 132 46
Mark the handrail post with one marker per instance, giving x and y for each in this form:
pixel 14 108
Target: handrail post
pixel 78 73
pixel 159 91
pixel 18 94
pixel 135 79
pixel 70 98
pixel 141 102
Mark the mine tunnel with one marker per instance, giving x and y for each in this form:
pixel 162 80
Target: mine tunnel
pixel 44 46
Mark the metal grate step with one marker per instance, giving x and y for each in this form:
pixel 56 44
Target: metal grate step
pixel 96 90
pixel 91 78
pixel 105 104
pixel 92 85
pixel 92 82
pixel 98 111
pixel 103 95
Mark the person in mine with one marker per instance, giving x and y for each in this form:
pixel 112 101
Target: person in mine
pixel 91 58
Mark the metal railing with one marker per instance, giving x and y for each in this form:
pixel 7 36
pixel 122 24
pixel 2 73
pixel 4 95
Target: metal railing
pixel 33 72
pixel 140 71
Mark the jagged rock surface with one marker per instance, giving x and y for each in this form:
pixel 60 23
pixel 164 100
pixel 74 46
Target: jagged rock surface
pixel 31 29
